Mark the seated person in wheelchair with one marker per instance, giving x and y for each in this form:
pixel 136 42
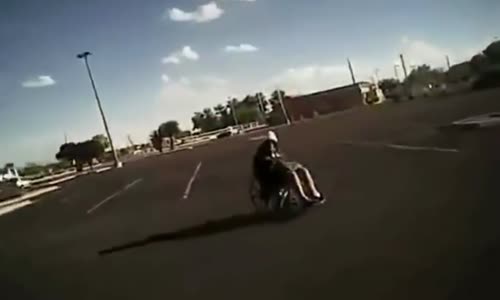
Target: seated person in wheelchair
pixel 271 171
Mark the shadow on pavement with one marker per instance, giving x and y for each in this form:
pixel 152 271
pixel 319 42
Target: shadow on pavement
pixel 205 229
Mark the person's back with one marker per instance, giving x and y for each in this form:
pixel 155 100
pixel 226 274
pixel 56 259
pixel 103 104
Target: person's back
pixel 262 160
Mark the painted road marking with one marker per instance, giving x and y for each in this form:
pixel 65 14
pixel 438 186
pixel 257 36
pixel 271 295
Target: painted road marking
pixel 258 138
pixel 103 170
pixel 400 147
pixel 61 180
pixel 191 180
pixel 485 120
pixel 29 195
pixel 114 195
pixel 7 209
pixel 419 148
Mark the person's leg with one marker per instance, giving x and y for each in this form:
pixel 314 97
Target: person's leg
pixel 310 182
pixel 298 184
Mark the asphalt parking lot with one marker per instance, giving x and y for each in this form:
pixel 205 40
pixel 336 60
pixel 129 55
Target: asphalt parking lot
pixel 412 213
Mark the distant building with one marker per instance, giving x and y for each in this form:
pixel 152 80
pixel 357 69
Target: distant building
pixel 336 99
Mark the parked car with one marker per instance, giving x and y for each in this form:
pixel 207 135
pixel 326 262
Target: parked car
pixel 229 131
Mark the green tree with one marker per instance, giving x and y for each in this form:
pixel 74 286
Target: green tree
pixel 459 72
pixel 425 75
pixel 220 110
pixel 81 153
pixel 156 140
pixel 101 138
pixel 493 52
pixel 209 120
pixel 276 115
pixel 275 95
pixel 224 116
pixel 479 62
pixel 67 152
pixel 197 120
pixel 169 129
pixel 31 168
pixel 248 110
pixel 388 84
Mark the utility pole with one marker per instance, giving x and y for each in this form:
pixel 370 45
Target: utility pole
pixel 262 109
pixel 283 109
pixel 233 111
pixel 405 73
pixel 65 138
pixel 448 62
pixel 261 103
pixel 84 56
pixel 351 71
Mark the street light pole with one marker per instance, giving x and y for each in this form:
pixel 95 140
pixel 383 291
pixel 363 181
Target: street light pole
pixel 351 71
pixel 283 109
pixel 84 56
pixel 403 65
pixel 233 111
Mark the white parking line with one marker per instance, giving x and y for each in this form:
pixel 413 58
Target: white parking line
pixel 400 147
pixel 11 208
pixel 191 180
pixel 103 170
pixel 29 195
pixel 419 148
pixel 258 138
pixel 485 120
pixel 114 195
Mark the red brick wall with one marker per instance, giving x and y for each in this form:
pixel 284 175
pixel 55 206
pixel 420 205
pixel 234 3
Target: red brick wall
pixel 323 102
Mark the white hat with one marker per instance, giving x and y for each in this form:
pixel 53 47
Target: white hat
pixel 271 135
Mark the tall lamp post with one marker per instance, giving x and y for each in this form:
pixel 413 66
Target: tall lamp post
pixel 84 56
pixel 233 111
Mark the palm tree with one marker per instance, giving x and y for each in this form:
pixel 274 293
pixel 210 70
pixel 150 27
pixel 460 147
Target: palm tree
pixel 169 129
pixel 220 110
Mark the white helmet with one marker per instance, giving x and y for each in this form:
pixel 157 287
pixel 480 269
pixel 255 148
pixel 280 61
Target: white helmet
pixel 271 135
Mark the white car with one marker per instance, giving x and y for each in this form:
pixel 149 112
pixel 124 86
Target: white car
pixel 11 175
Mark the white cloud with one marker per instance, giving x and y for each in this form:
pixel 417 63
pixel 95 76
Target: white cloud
pixel 189 53
pixel 417 52
pixel 192 94
pixel 188 95
pixel 204 13
pixel 165 78
pixel 184 81
pixel 171 59
pixel 242 48
pixel 40 81
pixel 316 77
pixel 177 57
pixel 312 78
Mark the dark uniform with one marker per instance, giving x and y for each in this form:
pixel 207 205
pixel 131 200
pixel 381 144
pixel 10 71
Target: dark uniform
pixel 268 168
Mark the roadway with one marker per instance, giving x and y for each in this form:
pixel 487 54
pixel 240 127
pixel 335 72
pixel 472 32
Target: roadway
pixel 412 214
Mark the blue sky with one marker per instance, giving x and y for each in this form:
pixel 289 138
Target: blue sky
pixel 159 60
